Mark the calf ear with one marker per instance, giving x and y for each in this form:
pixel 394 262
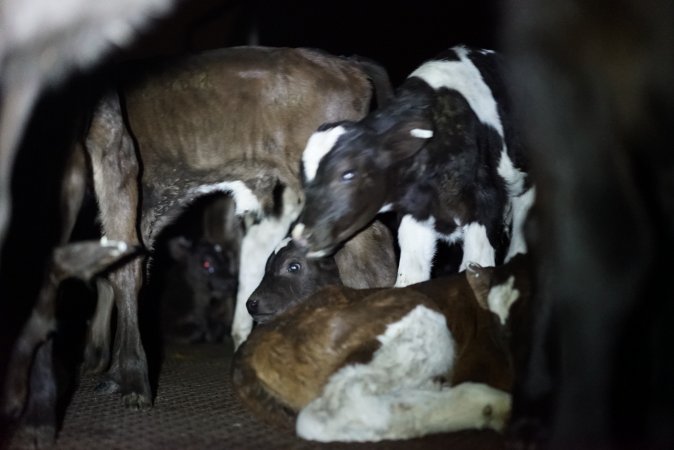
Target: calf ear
pixel 479 279
pixel 406 139
pixel 179 247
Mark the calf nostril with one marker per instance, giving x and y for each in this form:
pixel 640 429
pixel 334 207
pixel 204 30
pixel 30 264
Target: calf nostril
pixel 251 306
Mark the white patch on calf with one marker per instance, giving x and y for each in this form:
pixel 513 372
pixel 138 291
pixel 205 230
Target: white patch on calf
pixel 257 244
pixel 502 297
pixel 245 200
pixel 283 244
pixel 465 78
pixel 520 210
pixel 417 242
pixel 513 177
pixel 386 208
pixel 320 143
pixel 121 246
pixel 395 396
pixel 353 404
pixel 476 247
pixel 421 133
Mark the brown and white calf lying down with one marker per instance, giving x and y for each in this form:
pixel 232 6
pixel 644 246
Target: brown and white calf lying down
pixel 370 364
pixel 443 153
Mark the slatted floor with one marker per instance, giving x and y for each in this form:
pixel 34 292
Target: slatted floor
pixel 195 408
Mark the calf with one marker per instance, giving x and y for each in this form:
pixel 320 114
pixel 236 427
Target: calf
pixel 367 260
pixel 230 121
pixel 373 364
pixel 33 350
pixel 443 153
pixel 209 265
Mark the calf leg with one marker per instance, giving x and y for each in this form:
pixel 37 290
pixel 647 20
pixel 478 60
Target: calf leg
pixel 476 247
pixel 521 206
pixel 116 174
pixel 42 322
pixel 97 350
pixel 35 332
pixel 417 247
pixel 39 422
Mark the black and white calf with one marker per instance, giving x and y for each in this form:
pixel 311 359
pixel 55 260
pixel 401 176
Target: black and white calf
pixel 443 153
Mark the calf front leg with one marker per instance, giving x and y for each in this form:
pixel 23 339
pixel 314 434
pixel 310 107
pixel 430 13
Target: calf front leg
pixel 476 247
pixel 417 242
pixel 116 181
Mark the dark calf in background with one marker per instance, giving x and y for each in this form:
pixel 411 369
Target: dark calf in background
pixel 373 364
pixel 594 86
pixel 367 260
pixel 208 263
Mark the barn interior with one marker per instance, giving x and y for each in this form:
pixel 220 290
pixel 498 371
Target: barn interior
pixel 194 405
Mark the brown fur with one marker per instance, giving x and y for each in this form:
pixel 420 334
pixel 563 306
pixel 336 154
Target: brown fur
pixel 292 357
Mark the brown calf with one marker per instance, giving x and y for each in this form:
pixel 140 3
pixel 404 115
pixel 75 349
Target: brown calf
pixel 378 364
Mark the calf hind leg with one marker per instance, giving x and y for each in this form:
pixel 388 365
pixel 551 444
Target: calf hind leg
pixel 116 178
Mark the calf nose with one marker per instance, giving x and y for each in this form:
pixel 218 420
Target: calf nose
pixel 251 306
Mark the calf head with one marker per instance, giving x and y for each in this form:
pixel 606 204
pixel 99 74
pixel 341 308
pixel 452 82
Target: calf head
pixel 290 276
pixel 209 268
pixel 349 173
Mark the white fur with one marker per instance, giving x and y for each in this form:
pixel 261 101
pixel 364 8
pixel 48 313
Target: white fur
pixel 386 208
pixel 320 143
pixel 257 244
pixel 520 210
pixel 513 177
pixel 121 246
pixel 91 28
pixel 283 244
pixel 464 77
pixel 245 200
pixel 421 133
pixel 395 397
pixel 502 297
pixel 476 246
pixel 417 242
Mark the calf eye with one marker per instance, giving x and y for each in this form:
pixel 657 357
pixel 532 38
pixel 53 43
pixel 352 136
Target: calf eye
pixel 207 266
pixel 348 175
pixel 294 267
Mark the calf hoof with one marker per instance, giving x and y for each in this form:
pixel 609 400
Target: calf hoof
pixel 135 400
pixel 134 387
